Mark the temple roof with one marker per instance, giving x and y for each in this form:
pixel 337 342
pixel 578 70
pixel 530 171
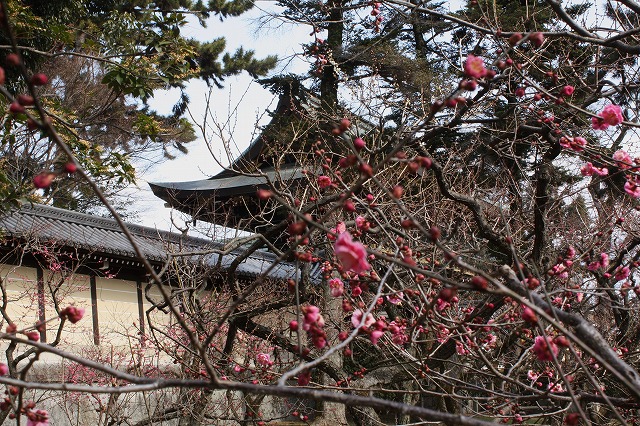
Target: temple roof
pixel 103 237
pixel 226 186
pixel 229 198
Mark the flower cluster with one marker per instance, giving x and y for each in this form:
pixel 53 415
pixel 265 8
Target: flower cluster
pixel 368 324
pixel 543 348
pixel 577 143
pixel 601 263
pixel 313 324
pixel 589 170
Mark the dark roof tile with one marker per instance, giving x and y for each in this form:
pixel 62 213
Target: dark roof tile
pixel 103 236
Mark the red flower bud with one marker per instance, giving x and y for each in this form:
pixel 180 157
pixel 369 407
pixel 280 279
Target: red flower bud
pixel 515 39
pixel 536 39
pixel 12 59
pixel 43 180
pixel 70 167
pixel 297 228
pixel 264 194
pixel 528 315
pixel 435 233
pixel 16 108
pixel 447 293
pixel 25 100
pixel 39 79
pixel 479 282
pixel 366 169
pixel 34 336
pixel 345 124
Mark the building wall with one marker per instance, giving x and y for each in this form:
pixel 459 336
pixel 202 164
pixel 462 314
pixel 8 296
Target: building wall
pixel 112 313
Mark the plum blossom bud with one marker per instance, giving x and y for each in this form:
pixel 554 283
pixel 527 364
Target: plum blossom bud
pixel 34 336
pixel 528 315
pixel 70 167
pixel 43 180
pixel 536 38
pixel 72 313
pixel 39 79
pixel 479 282
pixel 359 144
pixel 264 194
pixel 515 39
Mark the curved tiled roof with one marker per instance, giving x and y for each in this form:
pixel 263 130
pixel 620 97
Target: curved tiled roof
pixel 103 236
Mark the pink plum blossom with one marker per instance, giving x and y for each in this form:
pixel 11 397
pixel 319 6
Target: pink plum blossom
pixel 351 254
pixel 339 229
pixel 632 186
pixel 474 67
pixel 567 90
pixel 395 298
pixel 4 369
pixel 460 349
pixel 603 262
pixel 622 273
pixel 611 115
pixel 264 359
pixel 313 324
pixel 375 336
pixel 623 159
pixel 356 319
pixel 72 313
pixel 38 418
pixel 337 287
pixel 356 291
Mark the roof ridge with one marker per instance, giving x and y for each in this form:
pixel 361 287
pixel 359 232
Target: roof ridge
pixel 86 219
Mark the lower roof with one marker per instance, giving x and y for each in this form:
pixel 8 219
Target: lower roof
pixel 103 236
